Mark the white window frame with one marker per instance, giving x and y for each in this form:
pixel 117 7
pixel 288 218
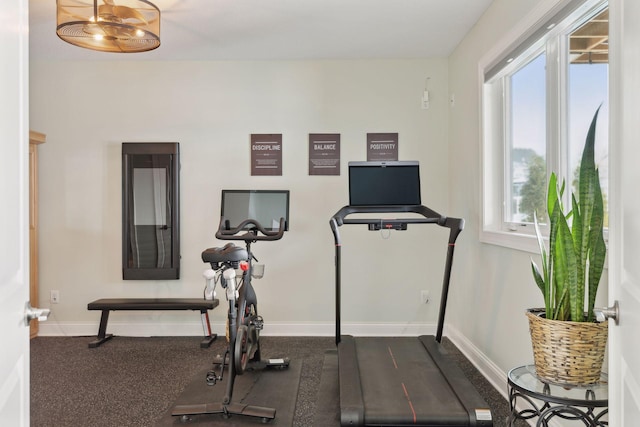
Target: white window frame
pixel 538 32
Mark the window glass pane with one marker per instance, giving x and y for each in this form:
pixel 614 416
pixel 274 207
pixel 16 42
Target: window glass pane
pixel 527 142
pixel 588 89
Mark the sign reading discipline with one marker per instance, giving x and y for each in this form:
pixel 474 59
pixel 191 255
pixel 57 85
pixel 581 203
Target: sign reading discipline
pixel 382 146
pixel 266 154
pixel 324 154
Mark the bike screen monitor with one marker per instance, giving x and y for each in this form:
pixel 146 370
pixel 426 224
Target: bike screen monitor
pixel 263 206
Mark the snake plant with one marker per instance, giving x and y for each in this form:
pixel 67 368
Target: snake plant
pixel 573 264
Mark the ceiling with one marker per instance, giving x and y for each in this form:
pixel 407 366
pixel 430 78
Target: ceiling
pixel 282 29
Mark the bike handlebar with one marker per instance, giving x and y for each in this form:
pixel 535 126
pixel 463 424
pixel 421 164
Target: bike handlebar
pixel 251 234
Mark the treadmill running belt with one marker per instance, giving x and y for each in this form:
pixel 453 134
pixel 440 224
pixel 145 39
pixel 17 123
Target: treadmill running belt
pixel 403 384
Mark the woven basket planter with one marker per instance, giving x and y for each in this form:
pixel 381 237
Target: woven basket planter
pixel 567 352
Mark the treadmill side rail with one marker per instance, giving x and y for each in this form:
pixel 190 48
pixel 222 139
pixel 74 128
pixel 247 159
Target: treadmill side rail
pixel 351 400
pixel 479 412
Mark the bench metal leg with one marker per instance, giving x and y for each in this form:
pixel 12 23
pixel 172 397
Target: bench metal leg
pixel 206 326
pixel 102 331
pixel 102 337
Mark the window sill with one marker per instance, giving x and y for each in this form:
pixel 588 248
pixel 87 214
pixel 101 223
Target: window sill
pixel 522 242
pixel 510 239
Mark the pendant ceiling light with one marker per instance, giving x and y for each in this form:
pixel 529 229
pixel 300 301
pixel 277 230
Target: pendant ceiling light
pixel 109 25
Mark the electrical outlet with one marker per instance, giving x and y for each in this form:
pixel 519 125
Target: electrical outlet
pixel 55 297
pixel 424 297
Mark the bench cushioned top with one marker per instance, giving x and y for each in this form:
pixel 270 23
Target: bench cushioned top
pixel 152 304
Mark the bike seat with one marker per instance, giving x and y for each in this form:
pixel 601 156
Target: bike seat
pixel 227 253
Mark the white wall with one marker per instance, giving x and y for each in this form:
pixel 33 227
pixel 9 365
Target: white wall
pixel 88 109
pixel 488 310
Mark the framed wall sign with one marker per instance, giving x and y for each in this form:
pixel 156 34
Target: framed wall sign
pixel 266 154
pixel 382 146
pixel 324 154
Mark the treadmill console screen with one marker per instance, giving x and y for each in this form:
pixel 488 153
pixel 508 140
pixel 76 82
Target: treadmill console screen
pixel 384 183
pixel 264 206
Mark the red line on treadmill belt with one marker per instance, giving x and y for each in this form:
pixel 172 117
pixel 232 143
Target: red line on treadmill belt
pixel 393 359
pixel 406 394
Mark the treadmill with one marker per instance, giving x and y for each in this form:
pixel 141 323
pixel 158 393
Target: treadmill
pixel 398 381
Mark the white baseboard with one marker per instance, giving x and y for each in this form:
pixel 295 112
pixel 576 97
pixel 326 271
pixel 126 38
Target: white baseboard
pixel 138 329
pixel 496 376
pixel 146 328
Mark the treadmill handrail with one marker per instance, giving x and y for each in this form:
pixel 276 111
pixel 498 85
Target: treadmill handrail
pixel 428 215
pixel 455 225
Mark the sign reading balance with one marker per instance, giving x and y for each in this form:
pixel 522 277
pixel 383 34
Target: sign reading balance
pixel 266 154
pixel 382 146
pixel 324 154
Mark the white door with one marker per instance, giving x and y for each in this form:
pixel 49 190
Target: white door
pixel 624 241
pixel 14 261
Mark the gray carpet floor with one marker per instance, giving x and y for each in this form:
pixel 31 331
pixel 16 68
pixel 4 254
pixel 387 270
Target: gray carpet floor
pixel 135 381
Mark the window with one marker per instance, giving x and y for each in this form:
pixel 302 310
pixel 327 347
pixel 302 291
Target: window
pixel 538 101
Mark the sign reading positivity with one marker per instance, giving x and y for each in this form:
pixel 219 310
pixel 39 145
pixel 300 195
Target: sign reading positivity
pixel 382 146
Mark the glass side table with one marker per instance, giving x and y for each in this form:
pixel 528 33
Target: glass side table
pixel 588 404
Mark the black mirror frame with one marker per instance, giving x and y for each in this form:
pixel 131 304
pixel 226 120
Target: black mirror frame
pixel 167 154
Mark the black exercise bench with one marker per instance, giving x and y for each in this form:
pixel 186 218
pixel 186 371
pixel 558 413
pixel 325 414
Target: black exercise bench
pixel 111 304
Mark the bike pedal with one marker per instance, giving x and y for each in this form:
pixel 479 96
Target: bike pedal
pixel 211 378
pixel 258 323
pixel 281 363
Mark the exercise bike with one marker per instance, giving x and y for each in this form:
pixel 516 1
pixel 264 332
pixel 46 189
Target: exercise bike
pixel 243 321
